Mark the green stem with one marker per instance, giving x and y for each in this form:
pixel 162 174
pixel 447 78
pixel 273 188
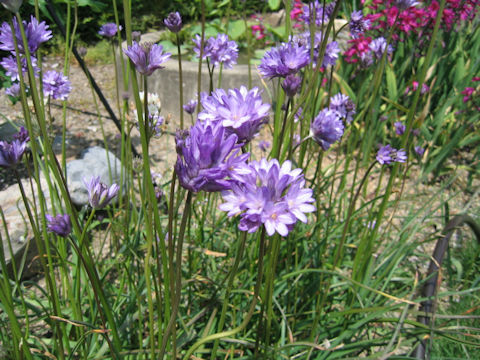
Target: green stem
pixel 241 248
pixel 180 77
pixel 178 278
pixel 250 312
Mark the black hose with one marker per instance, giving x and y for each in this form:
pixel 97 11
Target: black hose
pixel 58 22
pixel 430 287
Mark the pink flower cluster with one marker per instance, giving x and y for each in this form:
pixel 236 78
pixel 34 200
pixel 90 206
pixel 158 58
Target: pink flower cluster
pixel 258 30
pixel 296 13
pixel 416 19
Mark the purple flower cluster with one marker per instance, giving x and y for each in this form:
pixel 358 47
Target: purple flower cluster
pixel 173 22
pixel 399 128
pixel 60 224
pixel 9 63
pixel 13 90
pixel 240 111
pixel 291 85
pixel 147 57
pixel 56 85
pixel 109 29
pixel 378 47
pixel 190 106
pixel 331 52
pixel 36 33
pixel 286 59
pixel 265 193
pixel 11 153
pixel 358 24
pixel 344 106
pixel 206 156
pixel 99 194
pixel 326 128
pixel 386 155
pixel 316 9
pixel 218 50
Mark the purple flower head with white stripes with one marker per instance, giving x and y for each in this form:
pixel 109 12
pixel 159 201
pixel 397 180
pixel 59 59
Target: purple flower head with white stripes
pixel 344 106
pixel 268 194
pixel 283 60
pixel 240 111
pixel 387 155
pixel 109 29
pixel 326 128
pixel 173 22
pixel 11 153
pixel 60 224
pixel 56 85
pixel 218 50
pixel 36 33
pixel 99 194
pixel 206 156
pixel 147 57
pixel 358 23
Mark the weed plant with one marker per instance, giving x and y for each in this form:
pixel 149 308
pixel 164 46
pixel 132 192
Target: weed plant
pixel 317 250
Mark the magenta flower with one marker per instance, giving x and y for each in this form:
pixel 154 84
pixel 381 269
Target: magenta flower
pixel 240 111
pixel 218 50
pixel 99 194
pixel 268 194
pixel 283 60
pixel 206 157
pixel 36 33
pixel 60 224
pixel 109 29
pixel 56 85
pixel 326 128
pixel 173 22
pixel 147 57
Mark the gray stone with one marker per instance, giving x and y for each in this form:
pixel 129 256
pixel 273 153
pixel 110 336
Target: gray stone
pixel 95 161
pixel 19 229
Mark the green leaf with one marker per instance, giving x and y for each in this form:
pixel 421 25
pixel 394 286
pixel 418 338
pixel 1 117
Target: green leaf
pixel 274 4
pixel 391 82
pixel 236 29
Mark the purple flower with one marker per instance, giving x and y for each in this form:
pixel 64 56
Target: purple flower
pixel 13 90
pixel 399 128
pixel 155 125
pixel 218 50
pixel 263 145
pixel 190 106
pixel 419 151
pixel 203 161
pixel 147 57
pixel 358 24
pixel 22 135
pixel 343 105
pixel 99 194
pixel 240 111
pixel 386 155
pixel 331 54
pixel 12 5
pixel 378 47
pixel 283 60
pixel 268 194
pixel 322 15
pixel 405 4
pixel 60 224
pixel 9 63
pixel 109 29
pixel 56 85
pixel 173 22
pixel 326 128
pixel 11 153
pixel 291 85
pixel 35 32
